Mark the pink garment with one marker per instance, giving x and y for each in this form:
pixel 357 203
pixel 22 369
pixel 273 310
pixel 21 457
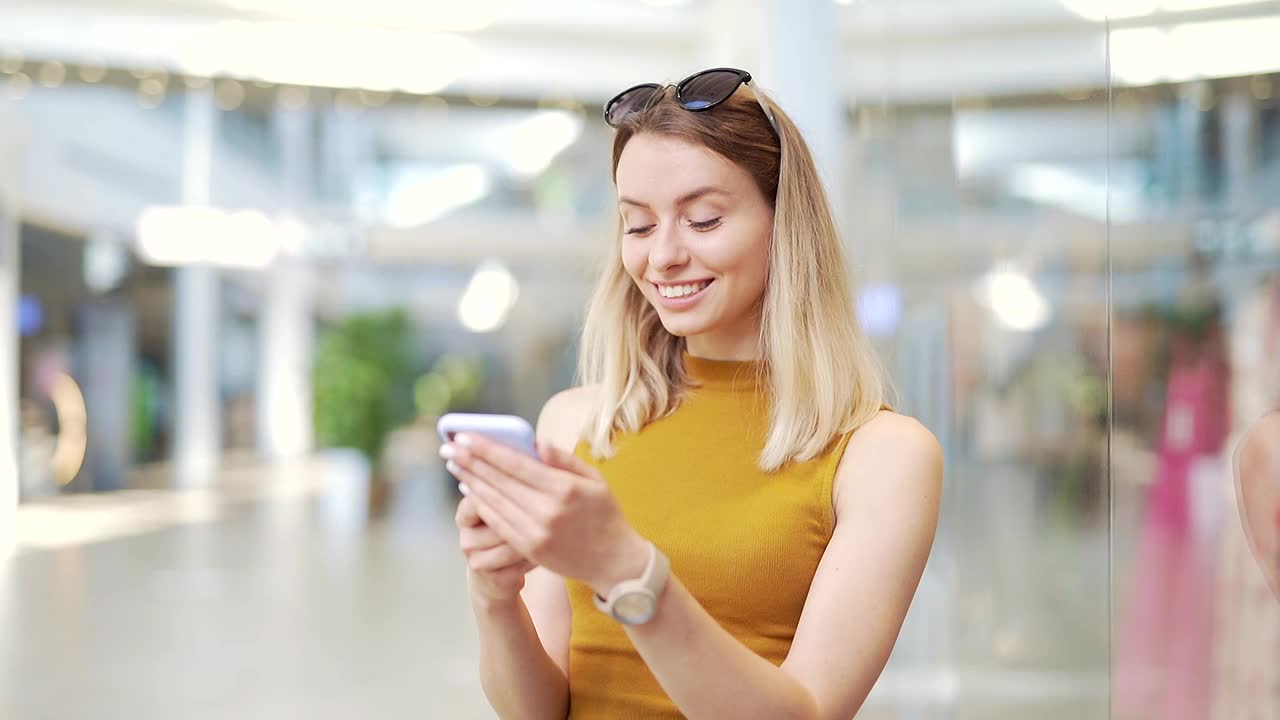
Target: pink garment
pixel 1195 426
pixel 1165 637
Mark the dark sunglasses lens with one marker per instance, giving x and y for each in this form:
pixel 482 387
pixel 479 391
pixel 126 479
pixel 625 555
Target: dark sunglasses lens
pixel 709 88
pixel 629 102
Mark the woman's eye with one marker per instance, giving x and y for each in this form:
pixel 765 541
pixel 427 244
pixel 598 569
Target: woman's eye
pixel 702 226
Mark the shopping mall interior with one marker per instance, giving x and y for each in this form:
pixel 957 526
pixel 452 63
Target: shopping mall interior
pixel 252 250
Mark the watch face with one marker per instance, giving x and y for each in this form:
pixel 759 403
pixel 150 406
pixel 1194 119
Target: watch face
pixel 634 608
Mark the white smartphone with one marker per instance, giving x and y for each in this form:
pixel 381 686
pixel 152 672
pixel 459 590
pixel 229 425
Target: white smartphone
pixel 510 430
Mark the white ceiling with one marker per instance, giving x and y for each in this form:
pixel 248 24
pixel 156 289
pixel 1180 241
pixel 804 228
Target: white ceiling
pixel 893 49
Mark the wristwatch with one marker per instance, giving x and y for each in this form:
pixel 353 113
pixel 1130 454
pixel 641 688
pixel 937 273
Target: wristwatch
pixel 635 602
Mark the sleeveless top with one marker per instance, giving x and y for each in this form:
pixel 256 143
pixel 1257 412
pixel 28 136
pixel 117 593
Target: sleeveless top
pixel 745 543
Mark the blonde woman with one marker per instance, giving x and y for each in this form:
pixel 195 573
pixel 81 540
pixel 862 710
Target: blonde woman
pixel 728 521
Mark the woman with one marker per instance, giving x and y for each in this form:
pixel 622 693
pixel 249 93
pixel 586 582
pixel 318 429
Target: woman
pixel 728 522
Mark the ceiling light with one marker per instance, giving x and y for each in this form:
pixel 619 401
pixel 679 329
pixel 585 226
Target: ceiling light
pixel 1013 299
pixel 488 299
pixel 174 236
pixel 106 262
pixel 303 53
pixel 1100 10
pixel 52 74
pixel 417 197
pixel 1087 194
pixel 292 97
pixel 92 72
pixel 11 62
pixel 18 86
pixel 229 94
pixel 536 141
pixel 1221 48
pixel 432 15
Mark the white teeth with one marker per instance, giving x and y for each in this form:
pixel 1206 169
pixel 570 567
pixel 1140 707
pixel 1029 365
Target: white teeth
pixel 675 291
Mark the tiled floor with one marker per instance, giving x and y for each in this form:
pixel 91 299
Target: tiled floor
pixel 275 596
pixel 242 603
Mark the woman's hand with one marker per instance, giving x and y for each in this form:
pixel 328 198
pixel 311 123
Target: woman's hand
pixel 495 570
pixel 558 513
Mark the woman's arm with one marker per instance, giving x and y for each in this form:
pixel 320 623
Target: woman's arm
pixel 524 644
pixel 1257 466
pixel 518 676
pixel 889 486
pixel 707 672
pixel 559 513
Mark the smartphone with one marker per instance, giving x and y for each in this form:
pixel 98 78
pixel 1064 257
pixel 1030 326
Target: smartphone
pixel 510 430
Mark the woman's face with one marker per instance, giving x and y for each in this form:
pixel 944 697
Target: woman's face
pixel 694 221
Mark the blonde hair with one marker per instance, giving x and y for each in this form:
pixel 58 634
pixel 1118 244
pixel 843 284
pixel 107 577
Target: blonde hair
pixel 823 377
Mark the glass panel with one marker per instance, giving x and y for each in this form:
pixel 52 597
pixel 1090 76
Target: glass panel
pixel 978 185
pixel 1195 183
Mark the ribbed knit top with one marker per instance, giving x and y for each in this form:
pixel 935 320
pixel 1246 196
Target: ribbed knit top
pixel 744 542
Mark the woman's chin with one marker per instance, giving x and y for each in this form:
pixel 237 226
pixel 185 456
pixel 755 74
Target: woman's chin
pixel 683 326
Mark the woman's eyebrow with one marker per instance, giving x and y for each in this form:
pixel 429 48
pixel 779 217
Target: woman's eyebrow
pixel 685 198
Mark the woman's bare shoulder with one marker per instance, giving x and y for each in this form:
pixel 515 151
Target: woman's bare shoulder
pixel 564 415
pixel 892 448
pixel 890 432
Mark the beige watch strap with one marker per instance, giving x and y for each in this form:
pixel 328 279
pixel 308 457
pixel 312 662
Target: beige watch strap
pixel 652 581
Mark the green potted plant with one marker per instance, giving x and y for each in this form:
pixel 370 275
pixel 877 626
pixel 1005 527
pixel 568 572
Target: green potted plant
pixel 363 388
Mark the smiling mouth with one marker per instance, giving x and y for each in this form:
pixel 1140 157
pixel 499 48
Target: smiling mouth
pixel 680 292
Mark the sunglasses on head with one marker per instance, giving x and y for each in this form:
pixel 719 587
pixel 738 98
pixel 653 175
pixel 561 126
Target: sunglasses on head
pixel 699 92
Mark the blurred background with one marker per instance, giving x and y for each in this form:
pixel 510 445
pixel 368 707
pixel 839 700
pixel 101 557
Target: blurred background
pixel 250 250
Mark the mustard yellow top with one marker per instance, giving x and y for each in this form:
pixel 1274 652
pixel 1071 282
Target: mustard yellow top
pixel 745 543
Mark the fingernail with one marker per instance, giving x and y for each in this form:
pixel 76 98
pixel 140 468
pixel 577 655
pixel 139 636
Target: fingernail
pixel 464 488
pixel 447 451
pixel 452 467
pixel 463 440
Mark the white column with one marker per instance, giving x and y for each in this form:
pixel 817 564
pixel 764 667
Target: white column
pixel 196 411
pixel 1239 138
pixel 1190 152
pixel 285 325
pixel 10 267
pixel 738 27
pixel 792 49
pixel 283 394
pixel 105 349
pixel 800 65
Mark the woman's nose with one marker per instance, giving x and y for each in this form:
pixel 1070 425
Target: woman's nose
pixel 668 249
